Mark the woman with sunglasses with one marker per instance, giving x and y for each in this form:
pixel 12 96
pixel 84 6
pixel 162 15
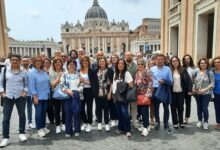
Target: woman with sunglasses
pixel 40 89
pixel 216 90
pixel 143 82
pixel 88 80
pixel 181 84
pixel 202 89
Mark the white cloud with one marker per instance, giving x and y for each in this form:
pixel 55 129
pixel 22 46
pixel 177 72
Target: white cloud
pixel 34 14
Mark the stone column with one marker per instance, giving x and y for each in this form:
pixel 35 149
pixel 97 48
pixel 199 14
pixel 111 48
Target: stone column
pixel 98 43
pixel 103 44
pixel 79 43
pixel 93 46
pixel 127 45
pixel 118 45
pixel 88 45
pixel 112 48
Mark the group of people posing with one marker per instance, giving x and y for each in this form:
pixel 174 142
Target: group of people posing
pixel 64 88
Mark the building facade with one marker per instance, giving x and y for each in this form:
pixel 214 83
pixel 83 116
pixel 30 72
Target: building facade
pixel 34 48
pixel 147 37
pixel 96 33
pixel 3 31
pixel 190 27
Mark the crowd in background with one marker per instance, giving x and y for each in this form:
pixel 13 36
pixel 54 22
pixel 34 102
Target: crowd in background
pixel 64 88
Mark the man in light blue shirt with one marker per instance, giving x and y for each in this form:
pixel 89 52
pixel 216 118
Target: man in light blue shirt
pixel 161 75
pixel 13 87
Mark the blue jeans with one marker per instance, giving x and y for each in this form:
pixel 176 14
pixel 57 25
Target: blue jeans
pixel 40 113
pixel 123 117
pixel 29 108
pixel 156 103
pixel 144 112
pixel 8 105
pixel 202 107
pixel 217 107
pixel 72 110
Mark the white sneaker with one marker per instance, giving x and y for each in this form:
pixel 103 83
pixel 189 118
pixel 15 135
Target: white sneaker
pixel 199 124
pixel 58 130
pixel 145 132
pixel 83 127
pixel 88 128
pixel 31 126
pixel 149 129
pixel 113 123
pixel 141 128
pixel 4 142
pixel 22 137
pixel 205 126
pixel 63 127
pixel 107 128
pixel 67 135
pixel 47 131
pixel 99 126
pixel 41 133
pixel 76 134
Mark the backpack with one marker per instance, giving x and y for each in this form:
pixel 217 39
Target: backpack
pixel 4 85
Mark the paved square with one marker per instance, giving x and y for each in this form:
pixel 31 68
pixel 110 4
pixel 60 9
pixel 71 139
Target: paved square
pixel 190 138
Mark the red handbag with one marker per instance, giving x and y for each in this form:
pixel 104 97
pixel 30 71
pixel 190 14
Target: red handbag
pixel 143 100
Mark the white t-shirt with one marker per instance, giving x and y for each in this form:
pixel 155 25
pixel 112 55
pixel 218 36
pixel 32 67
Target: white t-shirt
pixel 192 71
pixel 128 79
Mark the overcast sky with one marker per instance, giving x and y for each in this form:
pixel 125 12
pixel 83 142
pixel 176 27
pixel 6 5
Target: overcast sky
pixel 40 19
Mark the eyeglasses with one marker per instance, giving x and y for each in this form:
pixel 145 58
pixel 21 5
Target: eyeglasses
pixel 85 60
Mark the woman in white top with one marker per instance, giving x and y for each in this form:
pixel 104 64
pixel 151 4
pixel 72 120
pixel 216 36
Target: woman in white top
pixel 181 84
pixel 88 79
pixel 122 75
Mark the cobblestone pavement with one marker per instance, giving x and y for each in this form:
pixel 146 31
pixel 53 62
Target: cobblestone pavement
pixel 190 138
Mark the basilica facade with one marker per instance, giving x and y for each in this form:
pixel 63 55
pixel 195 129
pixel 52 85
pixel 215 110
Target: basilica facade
pixel 96 33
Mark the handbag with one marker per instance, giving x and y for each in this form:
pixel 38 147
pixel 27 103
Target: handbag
pixel 121 92
pixel 131 94
pixel 143 100
pixel 59 94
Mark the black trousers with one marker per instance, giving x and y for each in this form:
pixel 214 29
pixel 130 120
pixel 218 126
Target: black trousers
pixel 112 110
pixel 102 105
pixel 50 111
pixel 187 104
pixel 86 105
pixel 58 108
pixel 177 107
